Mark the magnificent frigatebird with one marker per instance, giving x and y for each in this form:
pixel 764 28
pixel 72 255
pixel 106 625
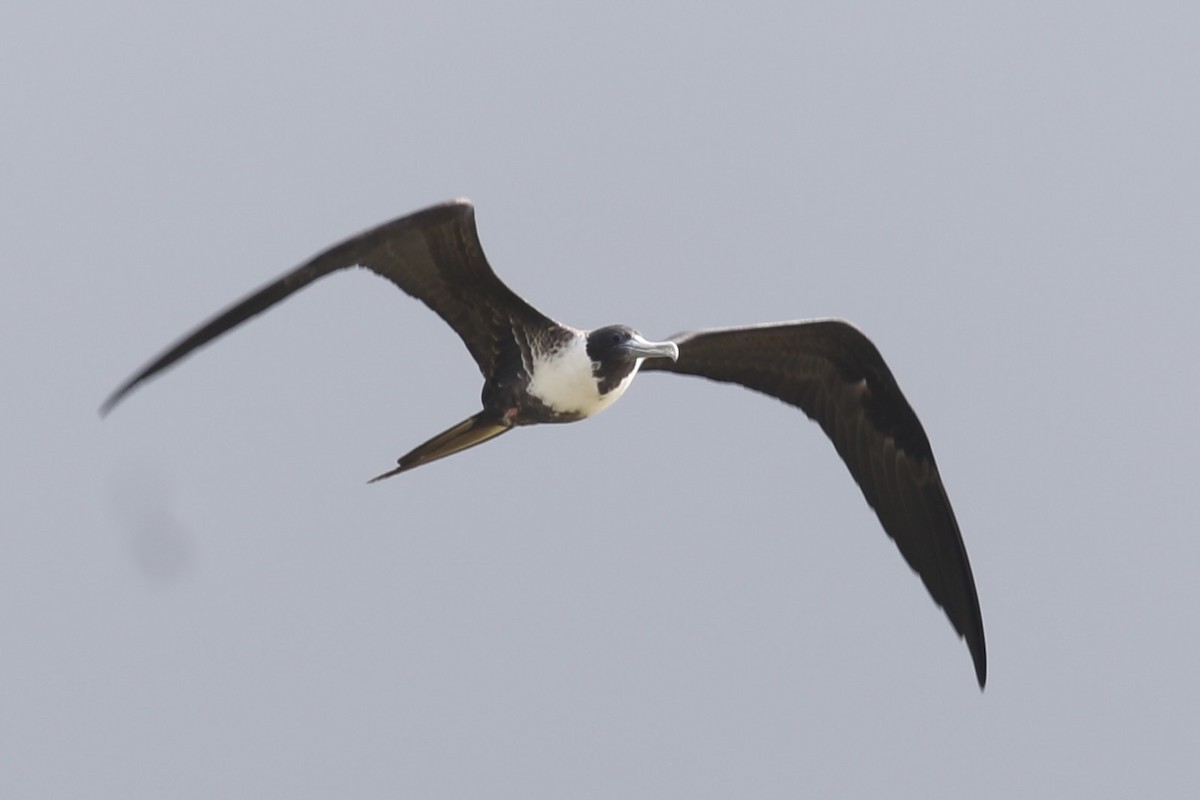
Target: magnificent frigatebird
pixel 537 370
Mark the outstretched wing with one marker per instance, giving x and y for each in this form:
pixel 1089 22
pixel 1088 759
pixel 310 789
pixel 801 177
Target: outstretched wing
pixel 833 373
pixel 433 255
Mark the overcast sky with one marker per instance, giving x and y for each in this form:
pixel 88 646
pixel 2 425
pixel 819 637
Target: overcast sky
pixel 686 596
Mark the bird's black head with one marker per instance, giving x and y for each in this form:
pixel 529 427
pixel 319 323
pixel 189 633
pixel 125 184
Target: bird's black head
pixel 615 350
pixel 613 344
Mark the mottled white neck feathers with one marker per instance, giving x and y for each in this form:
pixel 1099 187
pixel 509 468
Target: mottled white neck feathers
pixel 563 380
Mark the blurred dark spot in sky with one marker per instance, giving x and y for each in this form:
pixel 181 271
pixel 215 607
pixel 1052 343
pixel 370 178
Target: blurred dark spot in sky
pixel 157 544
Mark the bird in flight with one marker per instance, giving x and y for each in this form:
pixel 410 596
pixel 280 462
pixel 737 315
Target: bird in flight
pixel 536 370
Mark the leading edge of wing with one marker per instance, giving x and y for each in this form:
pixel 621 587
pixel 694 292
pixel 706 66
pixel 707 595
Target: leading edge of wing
pixel 833 373
pixel 348 253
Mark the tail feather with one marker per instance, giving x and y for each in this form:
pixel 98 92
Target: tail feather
pixel 468 433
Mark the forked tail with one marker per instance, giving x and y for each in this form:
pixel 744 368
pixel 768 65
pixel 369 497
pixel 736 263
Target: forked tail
pixel 468 433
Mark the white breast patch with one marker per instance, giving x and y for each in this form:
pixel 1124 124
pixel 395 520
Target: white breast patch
pixel 564 382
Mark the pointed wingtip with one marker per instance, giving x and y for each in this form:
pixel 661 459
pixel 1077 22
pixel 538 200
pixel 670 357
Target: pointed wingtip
pixel 975 643
pixel 110 402
pixel 120 393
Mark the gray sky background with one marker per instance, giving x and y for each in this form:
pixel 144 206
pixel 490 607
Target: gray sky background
pixel 687 596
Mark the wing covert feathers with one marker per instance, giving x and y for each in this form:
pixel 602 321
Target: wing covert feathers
pixel 433 255
pixel 834 374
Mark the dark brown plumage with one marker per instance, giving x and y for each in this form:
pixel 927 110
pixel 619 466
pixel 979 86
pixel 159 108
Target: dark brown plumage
pixel 834 374
pixel 536 371
pixel 433 255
